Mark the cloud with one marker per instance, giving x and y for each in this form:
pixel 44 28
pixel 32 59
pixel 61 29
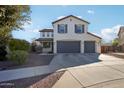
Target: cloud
pixel 109 34
pixel 26 25
pixel 90 12
pixel 96 34
pixel 65 16
pixel 60 17
pixel 79 16
pixel 28 35
pixel 33 30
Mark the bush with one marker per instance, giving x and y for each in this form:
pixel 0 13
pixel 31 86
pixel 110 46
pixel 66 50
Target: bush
pixel 18 57
pixel 38 49
pixel 33 46
pixel 17 44
pixel 3 53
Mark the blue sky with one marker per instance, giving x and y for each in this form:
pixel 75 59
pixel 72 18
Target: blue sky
pixel 104 20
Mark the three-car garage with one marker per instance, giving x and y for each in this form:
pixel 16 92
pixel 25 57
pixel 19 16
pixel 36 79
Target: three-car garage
pixel 75 47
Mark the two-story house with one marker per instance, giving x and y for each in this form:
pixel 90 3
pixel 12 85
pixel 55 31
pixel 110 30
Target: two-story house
pixel 70 35
pixel 46 40
pixel 121 38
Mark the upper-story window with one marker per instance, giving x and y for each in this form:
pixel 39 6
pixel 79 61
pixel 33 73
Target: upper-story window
pixel 43 34
pixel 52 34
pixel 79 28
pixel 47 34
pixel 62 28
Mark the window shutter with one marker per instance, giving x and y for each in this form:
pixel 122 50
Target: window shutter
pixel 58 29
pixel 82 28
pixel 75 28
pixel 66 28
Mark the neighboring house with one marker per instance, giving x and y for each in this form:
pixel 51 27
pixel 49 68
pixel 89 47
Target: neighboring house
pixel 46 40
pixel 107 47
pixel 121 38
pixel 70 35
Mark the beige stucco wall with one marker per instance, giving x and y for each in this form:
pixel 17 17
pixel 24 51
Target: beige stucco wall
pixel 121 38
pixel 45 34
pixel 47 50
pixel 72 36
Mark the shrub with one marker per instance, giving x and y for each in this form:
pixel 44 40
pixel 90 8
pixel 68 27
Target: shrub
pixel 3 53
pixel 17 44
pixel 18 56
pixel 33 46
pixel 38 48
pixel 115 42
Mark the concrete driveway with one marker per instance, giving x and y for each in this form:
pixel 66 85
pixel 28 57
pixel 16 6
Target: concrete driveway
pixel 89 70
pixel 61 61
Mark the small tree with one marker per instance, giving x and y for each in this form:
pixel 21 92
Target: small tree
pixel 18 44
pixel 115 42
pixel 11 18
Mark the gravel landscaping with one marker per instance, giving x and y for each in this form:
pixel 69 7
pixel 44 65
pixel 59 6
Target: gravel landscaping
pixel 42 81
pixel 49 81
pixel 32 60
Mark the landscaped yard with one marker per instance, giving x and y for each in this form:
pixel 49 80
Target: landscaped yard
pixel 32 60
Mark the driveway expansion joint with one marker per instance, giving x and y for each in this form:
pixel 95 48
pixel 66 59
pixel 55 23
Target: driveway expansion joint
pixel 76 79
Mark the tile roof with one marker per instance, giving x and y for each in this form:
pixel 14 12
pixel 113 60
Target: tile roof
pixel 44 39
pixel 46 30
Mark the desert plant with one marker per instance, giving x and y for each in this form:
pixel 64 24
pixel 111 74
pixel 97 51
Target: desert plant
pixel 17 44
pixel 2 53
pixel 18 56
pixel 33 46
pixel 115 42
pixel 38 48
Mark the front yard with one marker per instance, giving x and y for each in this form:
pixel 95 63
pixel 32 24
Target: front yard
pixel 32 61
pixel 82 70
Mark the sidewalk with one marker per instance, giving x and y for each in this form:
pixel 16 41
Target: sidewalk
pixel 30 71
pixel 23 73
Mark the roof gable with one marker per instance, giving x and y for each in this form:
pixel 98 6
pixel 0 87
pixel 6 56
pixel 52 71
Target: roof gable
pixel 94 35
pixel 120 30
pixel 68 17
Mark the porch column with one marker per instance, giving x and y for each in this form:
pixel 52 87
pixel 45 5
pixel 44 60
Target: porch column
pixel 98 47
pixel 55 47
pixel 82 46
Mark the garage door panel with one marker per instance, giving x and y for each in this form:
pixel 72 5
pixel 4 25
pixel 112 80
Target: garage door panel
pixel 89 46
pixel 68 47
